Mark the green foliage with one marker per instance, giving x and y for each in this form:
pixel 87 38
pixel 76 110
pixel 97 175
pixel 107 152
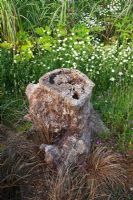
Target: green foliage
pixel 6 45
pixel 124 29
pixel 61 30
pixel 40 31
pixel 22 37
pixel 80 30
pixel 116 107
pixel 92 36
pixel 9 20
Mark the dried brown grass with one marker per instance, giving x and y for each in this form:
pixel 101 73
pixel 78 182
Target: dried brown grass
pixel 102 173
pixel 69 184
pixel 105 172
pixel 101 176
pixel 129 167
pixel 20 168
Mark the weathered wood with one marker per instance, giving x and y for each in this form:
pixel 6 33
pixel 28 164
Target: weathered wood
pixel 60 109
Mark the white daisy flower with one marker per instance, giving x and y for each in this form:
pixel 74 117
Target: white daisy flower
pixel 120 73
pixel 112 79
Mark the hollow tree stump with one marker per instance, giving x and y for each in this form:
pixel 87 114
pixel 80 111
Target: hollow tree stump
pixel 60 109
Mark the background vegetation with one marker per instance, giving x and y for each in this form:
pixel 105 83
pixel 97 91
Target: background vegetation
pixel 95 37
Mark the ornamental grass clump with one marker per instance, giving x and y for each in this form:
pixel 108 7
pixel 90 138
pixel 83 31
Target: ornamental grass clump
pixel 101 177
pixel 105 172
pixel 67 185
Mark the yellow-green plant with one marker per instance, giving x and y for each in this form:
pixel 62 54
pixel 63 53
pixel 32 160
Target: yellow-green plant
pixel 9 20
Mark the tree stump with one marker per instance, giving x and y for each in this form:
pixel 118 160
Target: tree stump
pixel 60 109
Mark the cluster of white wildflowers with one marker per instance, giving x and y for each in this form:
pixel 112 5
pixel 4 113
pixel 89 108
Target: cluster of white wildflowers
pixel 103 63
pixel 113 8
pixel 97 60
pixel 90 21
pixel 70 52
pixel 111 62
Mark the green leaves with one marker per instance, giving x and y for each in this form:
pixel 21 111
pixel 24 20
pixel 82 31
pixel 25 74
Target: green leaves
pixel 22 36
pixel 41 31
pixel 26 46
pixel 124 28
pixel 80 30
pixel 61 31
pixel 6 45
pixel 45 42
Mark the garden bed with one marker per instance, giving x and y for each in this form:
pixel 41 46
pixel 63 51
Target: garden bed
pixel 94 37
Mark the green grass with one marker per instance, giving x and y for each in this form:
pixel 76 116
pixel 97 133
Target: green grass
pixel 13 110
pixel 92 36
pixel 115 107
